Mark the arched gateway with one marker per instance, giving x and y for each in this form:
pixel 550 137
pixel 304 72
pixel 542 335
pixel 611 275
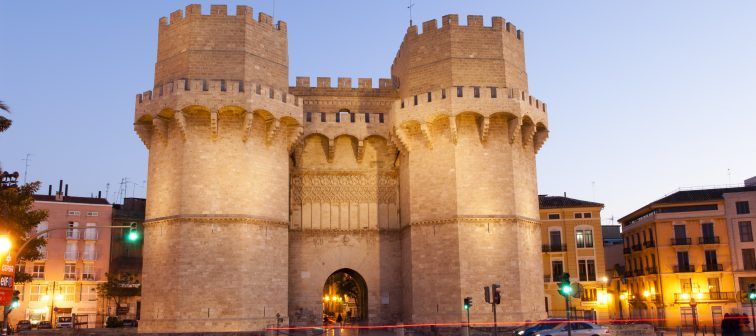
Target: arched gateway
pixel 345 293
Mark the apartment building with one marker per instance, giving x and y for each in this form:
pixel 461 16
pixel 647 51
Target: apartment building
pixel 679 256
pixel 740 214
pixel 572 241
pixel 74 261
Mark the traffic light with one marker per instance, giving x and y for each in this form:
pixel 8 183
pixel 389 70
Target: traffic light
pixel 752 292
pixel 133 234
pixel 496 292
pixel 564 285
pixel 468 303
pixel 14 301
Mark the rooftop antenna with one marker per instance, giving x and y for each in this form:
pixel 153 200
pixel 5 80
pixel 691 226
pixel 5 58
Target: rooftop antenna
pixel 411 4
pixel 26 165
pixel 107 190
pixel 729 176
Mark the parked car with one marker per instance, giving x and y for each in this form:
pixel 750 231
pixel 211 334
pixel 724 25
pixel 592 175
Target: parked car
pixel 65 322
pixel 23 325
pixel 532 329
pixel 578 329
pixel 44 325
pixel 129 323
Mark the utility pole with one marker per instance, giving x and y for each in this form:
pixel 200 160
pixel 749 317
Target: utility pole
pixel 26 165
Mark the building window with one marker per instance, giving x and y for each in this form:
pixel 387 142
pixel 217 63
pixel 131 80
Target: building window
pixel 686 316
pixel 716 315
pixel 367 118
pixel 493 92
pixel 322 117
pixel 459 91
pixel 380 118
pixel 430 97
pixel 746 231
pixel 93 214
pixel 37 292
pixel 71 250
pixel 749 259
pixel 587 270
pixel 89 251
pixel 588 295
pixel 415 99
pixel 308 116
pixel 555 239
pixel 587 215
pixel 476 91
pixel 42 226
pixel 680 233
pixel 90 233
pixel 554 216
pixel 584 238
pixel 711 260
pixel 68 292
pixel 683 262
pixel 88 273
pixel 742 208
pixel 686 286
pixel 88 293
pixel 72 232
pixel 74 213
pixel 578 215
pixel 557 268
pixel 38 271
pixel 70 272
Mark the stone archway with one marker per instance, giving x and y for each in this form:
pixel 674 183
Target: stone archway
pixel 345 292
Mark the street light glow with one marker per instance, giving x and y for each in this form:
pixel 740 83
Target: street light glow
pixel 5 244
pixel 133 235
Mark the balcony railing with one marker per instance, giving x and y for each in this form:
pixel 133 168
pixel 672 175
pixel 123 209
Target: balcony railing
pixel 89 277
pixel 649 244
pixel 638 272
pixel 652 270
pixel 90 235
pixel 681 241
pixel 71 255
pixel 637 247
pixel 708 240
pixel 547 278
pixel 712 267
pixel 72 234
pixel 69 276
pixel 749 267
pixel 626 250
pixel 699 297
pixel 554 248
pixel 684 268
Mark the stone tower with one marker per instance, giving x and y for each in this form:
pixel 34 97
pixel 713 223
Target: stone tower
pixel 421 189
pixel 219 125
pixel 469 133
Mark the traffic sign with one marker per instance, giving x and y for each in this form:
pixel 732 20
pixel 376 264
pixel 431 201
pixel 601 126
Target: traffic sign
pixel 7 269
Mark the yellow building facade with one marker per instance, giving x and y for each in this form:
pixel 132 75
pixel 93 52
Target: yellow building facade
pixel 572 242
pixel 678 263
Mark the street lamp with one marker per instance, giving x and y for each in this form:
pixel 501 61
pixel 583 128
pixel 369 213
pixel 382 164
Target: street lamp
pixel 5 244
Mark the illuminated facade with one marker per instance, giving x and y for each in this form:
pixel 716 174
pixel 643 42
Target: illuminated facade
pixel 572 242
pixel 74 263
pixel 679 258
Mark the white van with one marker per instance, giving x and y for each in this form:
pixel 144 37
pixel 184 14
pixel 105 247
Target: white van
pixel 65 322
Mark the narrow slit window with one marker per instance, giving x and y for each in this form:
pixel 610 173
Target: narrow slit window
pixel 223 85
pixel 493 92
pixel 459 91
pixel 367 117
pixel 476 91
pixel 308 116
pixel 380 118
pixel 430 97
pixel 415 99
pixel 322 117
pixel 443 93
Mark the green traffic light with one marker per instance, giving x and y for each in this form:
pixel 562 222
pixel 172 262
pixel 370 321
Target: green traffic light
pixel 14 304
pixel 467 307
pixel 752 296
pixel 132 236
pixel 566 289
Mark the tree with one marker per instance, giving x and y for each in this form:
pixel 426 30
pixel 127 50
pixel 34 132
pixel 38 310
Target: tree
pixel 5 123
pixel 119 287
pixel 346 285
pixel 20 220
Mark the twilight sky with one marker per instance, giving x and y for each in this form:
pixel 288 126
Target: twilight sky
pixel 644 96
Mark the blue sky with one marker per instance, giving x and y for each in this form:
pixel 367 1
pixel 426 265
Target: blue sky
pixel 644 96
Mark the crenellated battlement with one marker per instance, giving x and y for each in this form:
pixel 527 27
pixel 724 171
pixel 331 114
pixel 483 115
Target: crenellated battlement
pixel 343 83
pixel 214 94
pixel 474 21
pixel 218 11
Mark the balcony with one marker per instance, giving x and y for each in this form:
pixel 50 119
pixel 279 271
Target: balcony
pixel 708 240
pixel 638 272
pixel 72 234
pixel 71 255
pixel 649 244
pixel 626 250
pixel 70 276
pixel 652 270
pixel 704 297
pixel 712 267
pixel 684 268
pixel 637 247
pixel 554 248
pixel 681 241
pixel 90 235
pixel 88 277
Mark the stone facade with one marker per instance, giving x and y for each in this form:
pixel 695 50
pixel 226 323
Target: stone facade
pixel 423 184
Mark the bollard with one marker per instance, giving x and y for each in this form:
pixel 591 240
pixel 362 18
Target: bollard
pixel 679 331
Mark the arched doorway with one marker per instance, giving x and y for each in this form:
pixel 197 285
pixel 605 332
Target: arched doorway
pixel 345 294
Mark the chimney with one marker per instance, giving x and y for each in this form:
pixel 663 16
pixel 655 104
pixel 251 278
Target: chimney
pixel 60 186
pixel 59 194
pixel 66 193
pixel 49 190
pixel 565 194
pixel 751 182
pixel 99 194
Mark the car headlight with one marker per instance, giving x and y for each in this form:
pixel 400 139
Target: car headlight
pixel 521 332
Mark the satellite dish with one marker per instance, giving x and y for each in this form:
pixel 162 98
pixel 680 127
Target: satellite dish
pixel 577 290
